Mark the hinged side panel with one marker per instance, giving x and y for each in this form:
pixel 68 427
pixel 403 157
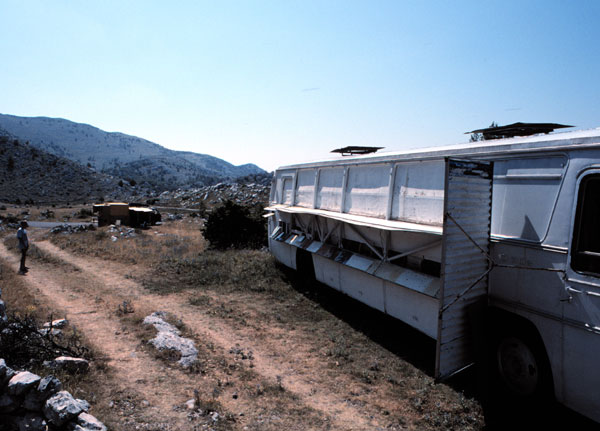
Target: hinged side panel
pixel 465 263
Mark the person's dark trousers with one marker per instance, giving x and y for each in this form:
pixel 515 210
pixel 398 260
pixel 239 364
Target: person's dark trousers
pixel 23 255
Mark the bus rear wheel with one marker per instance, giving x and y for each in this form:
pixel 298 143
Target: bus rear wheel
pixel 520 369
pixel 517 366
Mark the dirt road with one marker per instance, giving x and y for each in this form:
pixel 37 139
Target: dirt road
pixel 89 291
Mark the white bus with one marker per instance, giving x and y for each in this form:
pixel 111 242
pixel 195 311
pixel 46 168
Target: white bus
pixel 508 226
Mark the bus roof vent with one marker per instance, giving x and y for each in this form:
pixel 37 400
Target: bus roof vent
pixel 517 129
pixel 353 151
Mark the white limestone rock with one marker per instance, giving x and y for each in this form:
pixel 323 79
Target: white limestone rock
pixel 22 382
pixel 169 338
pixel 87 422
pixel 61 408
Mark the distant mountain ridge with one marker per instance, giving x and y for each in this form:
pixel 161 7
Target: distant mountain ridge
pixel 29 175
pixel 123 155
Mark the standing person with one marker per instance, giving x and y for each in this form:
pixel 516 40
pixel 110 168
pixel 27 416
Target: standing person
pixel 23 246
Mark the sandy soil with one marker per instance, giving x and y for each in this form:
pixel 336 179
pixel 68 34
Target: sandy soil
pixel 89 291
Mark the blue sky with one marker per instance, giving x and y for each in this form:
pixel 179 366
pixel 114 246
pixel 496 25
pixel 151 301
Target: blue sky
pixel 278 82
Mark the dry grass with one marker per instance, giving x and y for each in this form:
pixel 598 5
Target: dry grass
pixel 355 339
pixel 172 240
pixel 220 271
pixel 18 298
pixel 384 360
pixel 11 242
pixel 59 213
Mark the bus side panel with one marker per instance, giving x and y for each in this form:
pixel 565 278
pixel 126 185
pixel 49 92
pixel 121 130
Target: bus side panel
pixel 327 271
pixel 413 308
pixel 284 253
pixel 363 287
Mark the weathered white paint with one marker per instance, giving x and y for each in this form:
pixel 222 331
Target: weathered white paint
pixel 394 202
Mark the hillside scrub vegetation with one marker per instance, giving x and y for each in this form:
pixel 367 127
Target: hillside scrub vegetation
pixel 235 226
pixel 167 242
pixel 32 175
pixel 148 164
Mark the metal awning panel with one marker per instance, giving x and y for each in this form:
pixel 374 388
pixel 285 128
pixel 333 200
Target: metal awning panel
pixel 389 225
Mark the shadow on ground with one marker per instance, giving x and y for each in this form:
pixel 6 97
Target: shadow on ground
pixel 419 350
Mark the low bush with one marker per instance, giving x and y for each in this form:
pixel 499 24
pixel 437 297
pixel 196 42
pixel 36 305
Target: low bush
pixel 22 344
pixel 235 226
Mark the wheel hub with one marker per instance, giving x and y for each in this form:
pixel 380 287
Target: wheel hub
pixel 517 366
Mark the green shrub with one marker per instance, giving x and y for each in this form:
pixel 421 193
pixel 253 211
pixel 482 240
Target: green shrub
pixel 235 226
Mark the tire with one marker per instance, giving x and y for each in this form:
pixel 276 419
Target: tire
pixel 520 370
pixel 518 366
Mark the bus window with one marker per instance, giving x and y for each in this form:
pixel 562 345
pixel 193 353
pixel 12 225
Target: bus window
pixel 585 256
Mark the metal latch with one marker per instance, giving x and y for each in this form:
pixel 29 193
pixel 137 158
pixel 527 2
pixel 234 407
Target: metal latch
pixel 569 290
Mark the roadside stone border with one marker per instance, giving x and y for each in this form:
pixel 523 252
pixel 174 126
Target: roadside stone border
pixel 169 337
pixel 30 402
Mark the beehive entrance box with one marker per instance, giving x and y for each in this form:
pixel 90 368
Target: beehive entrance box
pixel 112 213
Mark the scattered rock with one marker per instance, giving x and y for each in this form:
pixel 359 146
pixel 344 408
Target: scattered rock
pixel 61 408
pixel 123 232
pixel 87 422
pixel 169 338
pixel 22 382
pixel 35 399
pixel 71 365
pixel 69 229
pixel 241 353
pixel 85 406
pixel 58 323
pixel 28 402
pixel 190 404
pixel 6 373
pixel 49 385
pixel 239 192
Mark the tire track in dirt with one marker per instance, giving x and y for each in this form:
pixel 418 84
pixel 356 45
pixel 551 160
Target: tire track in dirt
pixel 274 361
pixel 134 370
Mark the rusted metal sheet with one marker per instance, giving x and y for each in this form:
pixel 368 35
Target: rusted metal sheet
pixel 465 264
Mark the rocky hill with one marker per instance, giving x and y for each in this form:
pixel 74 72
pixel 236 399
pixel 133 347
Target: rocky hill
pixel 123 155
pixel 29 175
